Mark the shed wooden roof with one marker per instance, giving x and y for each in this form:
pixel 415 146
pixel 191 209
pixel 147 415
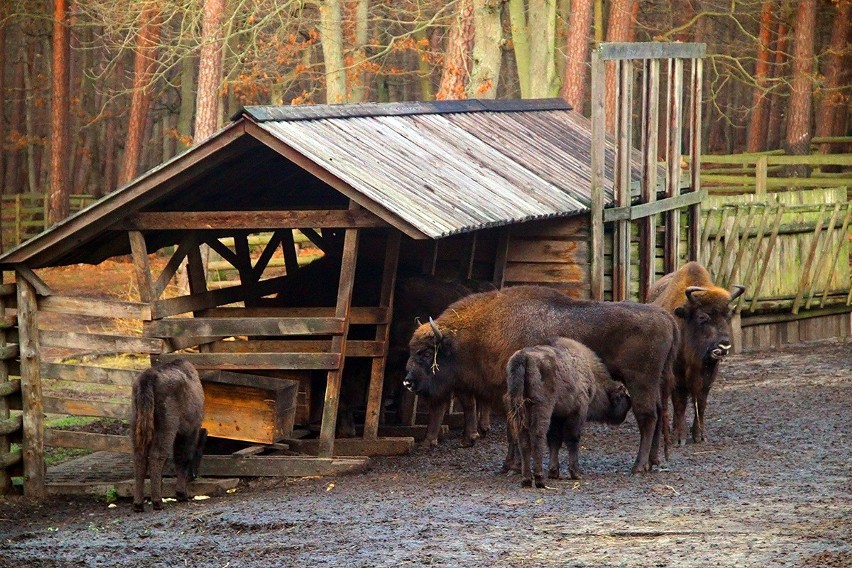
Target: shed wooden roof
pixel 432 169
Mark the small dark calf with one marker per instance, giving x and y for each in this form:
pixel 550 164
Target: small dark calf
pixel 562 382
pixel 167 409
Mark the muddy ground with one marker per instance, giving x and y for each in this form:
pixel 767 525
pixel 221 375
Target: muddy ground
pixel 771 488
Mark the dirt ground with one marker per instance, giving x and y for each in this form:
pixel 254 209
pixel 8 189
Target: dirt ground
pixel 771 488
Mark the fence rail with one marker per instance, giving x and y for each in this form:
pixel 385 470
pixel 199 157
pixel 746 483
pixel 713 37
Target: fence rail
pixel 24 215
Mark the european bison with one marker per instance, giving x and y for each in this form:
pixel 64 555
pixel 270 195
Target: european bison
pixel 466 349
pixel 563 380
pixel 167 409
pixel 704 312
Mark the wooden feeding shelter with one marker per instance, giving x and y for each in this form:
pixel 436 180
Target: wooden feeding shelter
pixel 498 191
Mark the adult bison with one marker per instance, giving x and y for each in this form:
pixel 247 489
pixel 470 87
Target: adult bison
pixel 703 311
pixel 466 349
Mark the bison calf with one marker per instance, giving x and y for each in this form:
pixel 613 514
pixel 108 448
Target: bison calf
pixel 563 380
pixel 167 408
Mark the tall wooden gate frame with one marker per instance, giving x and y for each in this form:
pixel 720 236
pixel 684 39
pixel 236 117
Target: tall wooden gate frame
pixel 623 56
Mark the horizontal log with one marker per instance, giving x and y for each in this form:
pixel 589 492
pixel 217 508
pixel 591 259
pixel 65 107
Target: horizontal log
pixel 611 51
pixel 8 321
pixel 88 440
pixel 10 387
pixel 259 220
pixel 9 425
pixel 95 307
pixel 357 446
pixel 77 407
pixel 831 140
pixel 213 327
pixel 10 459
pixel 536 272
pixel 280 466
pixel 10 351
pixel 101 342
pixel 642 210
pixel 89 374
pixel 776 182
pixel 265 361
pixel 357 315
pixel 7 289
pixel 214 298
pixel 749 321
pixel 354 348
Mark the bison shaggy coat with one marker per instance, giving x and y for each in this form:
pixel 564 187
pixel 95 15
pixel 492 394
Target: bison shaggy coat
pixel 466 349
pixel 563 380
pixel 703 311
pixel 167 409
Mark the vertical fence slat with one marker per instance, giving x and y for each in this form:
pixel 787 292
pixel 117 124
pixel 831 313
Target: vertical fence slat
pixel 647 225
pixel 5 446
pixel 673 155
pixel 826 246
pixel 755 256
pixel 772 239
pixel 836 256
pixel 30 353
pixel 694 243
pixel 805 280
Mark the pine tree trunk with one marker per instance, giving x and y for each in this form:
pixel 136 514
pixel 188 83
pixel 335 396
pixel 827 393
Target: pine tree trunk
pixel 779 98
pixel 457 55
pixel 209 71
pixel 618 29
pixel 145 61
pixel 542 38
pixel 487 49
pixel 801 89
pixel 831 117
pixel 331 33
pixel 521 44
pixel 577 54
pixel 757 127
pixel 357 79
pixel 58 202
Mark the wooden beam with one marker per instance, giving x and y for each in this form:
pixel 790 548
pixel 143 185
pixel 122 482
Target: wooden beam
pixel 79 407
pixel 173 264
pixel 503 239
pixel 89 441
pixel 39 285
pixel 338 343
pixel 253 220
pixel 211 327
pixel 204 300
pixel 361 315
pixel 33 408
pixel 642 210
pixel 270 361
pixel 650 133
pixel 265 256
pixel 89 374
pixel 610 51
pixel 141 266
pixel 694 237
pixel 9 387
pixel 354 347
pixel 9 352
pixel 325 245
pixel 99 308
pixel 673 154
pixel 597 174
pixel 374 446
pixel 10 425
pixel 288 247
pixel 101 342
pixel 280 466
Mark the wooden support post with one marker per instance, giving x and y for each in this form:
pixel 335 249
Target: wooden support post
pixel 501 257
pixel 288 246
pixel 624 145
pixel 694 243
pixel 430 260
pixel 377 371
pixel 30 353
pixel 648 225
pixel 338 343
pixel 5 445
pixel 597 165
pixel 761 172
pixel 141 266
pixel 673 156
pixel 466 268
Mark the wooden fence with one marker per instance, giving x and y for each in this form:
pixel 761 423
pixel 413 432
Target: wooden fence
pixel 10 425
pixel 24 215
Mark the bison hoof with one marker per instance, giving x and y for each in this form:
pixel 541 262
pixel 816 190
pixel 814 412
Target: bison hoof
pixel 553 474
pixel 138 507
pixel 467 442
pixel 483 432
pixel 575 473
pixel 427 444
pixel 181 496
pixel 158 505
pixel 526 483
pixel 539 482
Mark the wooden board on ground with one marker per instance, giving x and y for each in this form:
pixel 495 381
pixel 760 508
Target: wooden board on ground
pixel 209 487
pixel 358 446
pixel 281 466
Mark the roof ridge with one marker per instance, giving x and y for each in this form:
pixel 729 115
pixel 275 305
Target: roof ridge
pixel 267 113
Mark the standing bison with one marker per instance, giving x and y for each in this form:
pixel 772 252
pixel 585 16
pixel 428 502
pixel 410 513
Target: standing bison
pixel 166 415
pixel 467 348
pixel 704 312
pixel 563 380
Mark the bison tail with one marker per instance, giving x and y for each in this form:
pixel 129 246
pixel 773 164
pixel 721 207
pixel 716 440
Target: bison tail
pixel 516 412
pixel 143 409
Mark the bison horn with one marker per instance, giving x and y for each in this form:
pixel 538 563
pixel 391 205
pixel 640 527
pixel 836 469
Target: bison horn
pixel 737 292
pixel 435 330
pixel 691 290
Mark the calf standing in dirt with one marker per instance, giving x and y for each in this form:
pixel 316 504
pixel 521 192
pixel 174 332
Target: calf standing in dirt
pixel 565 381
pixel 167 409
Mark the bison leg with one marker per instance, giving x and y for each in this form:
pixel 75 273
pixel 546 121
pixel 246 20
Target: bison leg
pixel 437 411
pixel 512 459
pixel 484 411
pixel 140 469
pixel 679 400
pixel 539 422
pixel 554 443
pixel 184 450
pixel 654 455
pixel 157 463
pixel 471 432
pixel 573 427
pixel 645 410
pixel 699 434
pixel 524 449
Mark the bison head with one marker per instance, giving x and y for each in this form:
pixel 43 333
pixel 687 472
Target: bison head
pixel 619 405
pixel 707 321
pixel 432 366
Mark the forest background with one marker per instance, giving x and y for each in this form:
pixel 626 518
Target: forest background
pixel 97 91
